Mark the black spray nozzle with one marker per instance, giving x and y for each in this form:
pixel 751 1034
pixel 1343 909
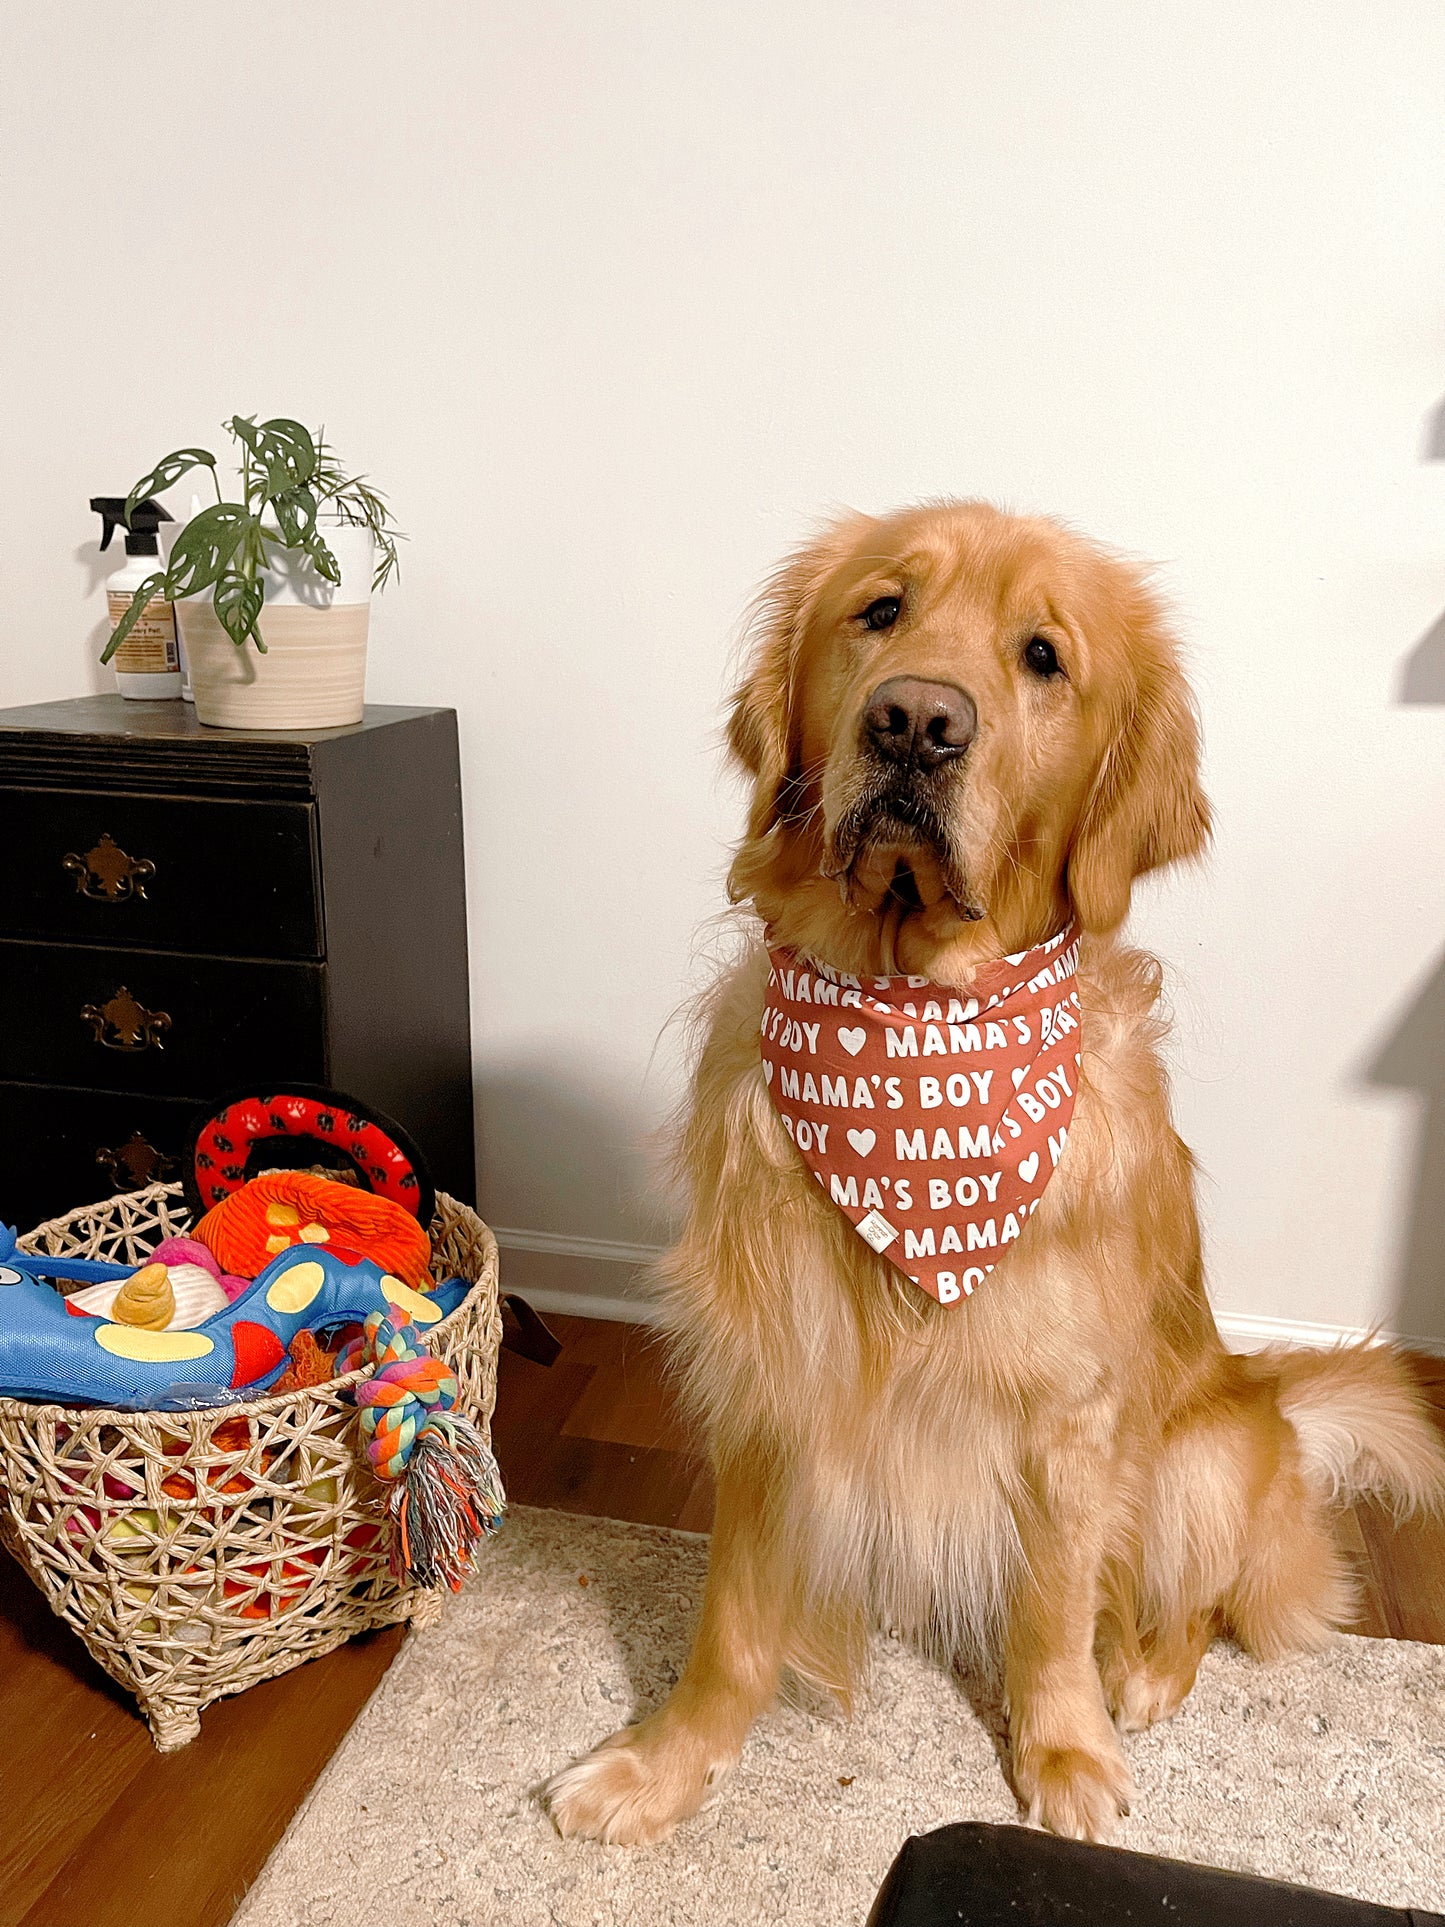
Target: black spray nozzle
pixel 140 531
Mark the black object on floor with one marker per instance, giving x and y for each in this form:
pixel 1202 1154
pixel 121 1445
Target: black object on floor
pixel 524 1332
pixel 972 1875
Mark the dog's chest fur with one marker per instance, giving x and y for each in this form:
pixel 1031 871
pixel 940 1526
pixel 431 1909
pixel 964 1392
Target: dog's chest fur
pixel 900 1430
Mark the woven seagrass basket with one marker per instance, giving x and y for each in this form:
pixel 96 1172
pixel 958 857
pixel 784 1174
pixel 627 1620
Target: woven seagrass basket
pixel 198 1553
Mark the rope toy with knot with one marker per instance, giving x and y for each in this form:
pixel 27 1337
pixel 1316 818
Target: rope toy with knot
pixel 446 1491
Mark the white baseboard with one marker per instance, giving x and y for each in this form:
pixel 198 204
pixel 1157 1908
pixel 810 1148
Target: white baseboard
pixel 564 1244
pixel 577 1277
pixel 1250 1332
pixel 587 1304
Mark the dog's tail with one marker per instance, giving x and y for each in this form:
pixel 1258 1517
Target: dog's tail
pixel 1363 1424
pixel 1360 1424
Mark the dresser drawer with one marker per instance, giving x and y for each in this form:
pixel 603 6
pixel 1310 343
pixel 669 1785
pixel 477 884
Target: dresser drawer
pixel 153 1021
pixel 181 874
pixel 61 1148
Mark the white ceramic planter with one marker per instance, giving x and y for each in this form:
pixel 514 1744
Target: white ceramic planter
pixel 313 675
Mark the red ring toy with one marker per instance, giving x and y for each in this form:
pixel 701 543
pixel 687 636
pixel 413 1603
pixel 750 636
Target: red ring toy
pixel 380 1153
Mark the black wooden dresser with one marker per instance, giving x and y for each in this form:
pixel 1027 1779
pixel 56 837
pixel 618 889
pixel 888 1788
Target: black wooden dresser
pixel 184 910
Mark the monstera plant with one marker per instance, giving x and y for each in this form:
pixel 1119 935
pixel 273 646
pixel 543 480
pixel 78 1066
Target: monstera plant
pixel 291 488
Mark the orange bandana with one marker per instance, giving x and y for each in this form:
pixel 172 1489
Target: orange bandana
pixel 932 1119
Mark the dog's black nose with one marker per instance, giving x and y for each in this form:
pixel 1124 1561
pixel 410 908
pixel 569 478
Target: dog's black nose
pixel 919 723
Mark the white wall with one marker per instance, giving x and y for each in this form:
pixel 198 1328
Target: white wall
pixel 615 300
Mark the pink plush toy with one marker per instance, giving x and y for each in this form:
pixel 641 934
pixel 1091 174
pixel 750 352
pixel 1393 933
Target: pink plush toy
pixel 190 1251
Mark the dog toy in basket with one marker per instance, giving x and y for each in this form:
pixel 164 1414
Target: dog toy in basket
pixel 50 1350
pixel 323 1241
pixel 197 1552
pixel 329 1240
pixel 445 1488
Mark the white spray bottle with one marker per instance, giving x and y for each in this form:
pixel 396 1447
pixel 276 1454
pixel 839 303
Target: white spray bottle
pixel 147 665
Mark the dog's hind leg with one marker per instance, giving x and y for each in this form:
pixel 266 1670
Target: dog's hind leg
pixel 1153 1681
pixel 1147 1663
pixel 1294 1587
pixel 638 1784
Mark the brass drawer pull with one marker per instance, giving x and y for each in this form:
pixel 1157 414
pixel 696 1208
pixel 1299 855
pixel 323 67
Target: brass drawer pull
pixel 135 1164
pixel 107 873
pixel 123 1023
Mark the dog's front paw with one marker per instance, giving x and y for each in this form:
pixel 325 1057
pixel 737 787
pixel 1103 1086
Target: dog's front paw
pixel 1072 1791
pixel 631 1790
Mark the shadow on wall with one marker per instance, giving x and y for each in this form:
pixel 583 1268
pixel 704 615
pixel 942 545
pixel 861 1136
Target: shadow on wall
pixel 1423 680
pixel 559 1159
pixel 1413 1059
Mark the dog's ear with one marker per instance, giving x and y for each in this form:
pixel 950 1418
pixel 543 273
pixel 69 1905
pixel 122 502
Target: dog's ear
pixel 1147 808
pixel 763 725
pixel 760 726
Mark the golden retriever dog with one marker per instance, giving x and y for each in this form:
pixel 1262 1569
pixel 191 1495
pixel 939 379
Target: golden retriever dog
pixel 1066 1469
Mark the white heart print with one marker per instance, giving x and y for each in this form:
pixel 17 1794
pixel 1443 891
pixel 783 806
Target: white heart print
pixel 767 1070
pixel 853 1040
pixel 1028 1167
pixel 862 1141
pixel 1019 1075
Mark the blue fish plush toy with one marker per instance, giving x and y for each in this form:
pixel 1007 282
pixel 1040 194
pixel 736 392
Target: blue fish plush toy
pixel 51 1350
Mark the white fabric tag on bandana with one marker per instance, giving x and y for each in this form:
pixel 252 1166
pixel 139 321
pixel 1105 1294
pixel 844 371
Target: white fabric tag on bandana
pixel 876 1231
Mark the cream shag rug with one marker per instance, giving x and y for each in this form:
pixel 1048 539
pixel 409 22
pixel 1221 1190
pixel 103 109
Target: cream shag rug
pixel 1329 1770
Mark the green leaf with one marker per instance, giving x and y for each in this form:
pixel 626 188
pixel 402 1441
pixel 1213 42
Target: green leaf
pixel 353 499
pixel 167 473
pixel 205 546
pixel 283 448
pixel 322 560
pixel 238 601
pixel 295 515
pixel 152 586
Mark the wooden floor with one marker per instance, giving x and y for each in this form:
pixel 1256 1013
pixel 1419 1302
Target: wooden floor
pixel 98 1830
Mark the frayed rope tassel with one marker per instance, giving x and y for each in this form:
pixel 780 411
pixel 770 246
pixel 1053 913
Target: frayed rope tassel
pixel 446 1491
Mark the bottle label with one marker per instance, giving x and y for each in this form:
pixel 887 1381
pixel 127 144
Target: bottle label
pixel 150 648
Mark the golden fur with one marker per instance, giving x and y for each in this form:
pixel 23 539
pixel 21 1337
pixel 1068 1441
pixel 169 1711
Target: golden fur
pixel 1068 1468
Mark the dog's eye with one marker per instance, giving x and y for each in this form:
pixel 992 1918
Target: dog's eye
pixel 883 613
pixel 1040 657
